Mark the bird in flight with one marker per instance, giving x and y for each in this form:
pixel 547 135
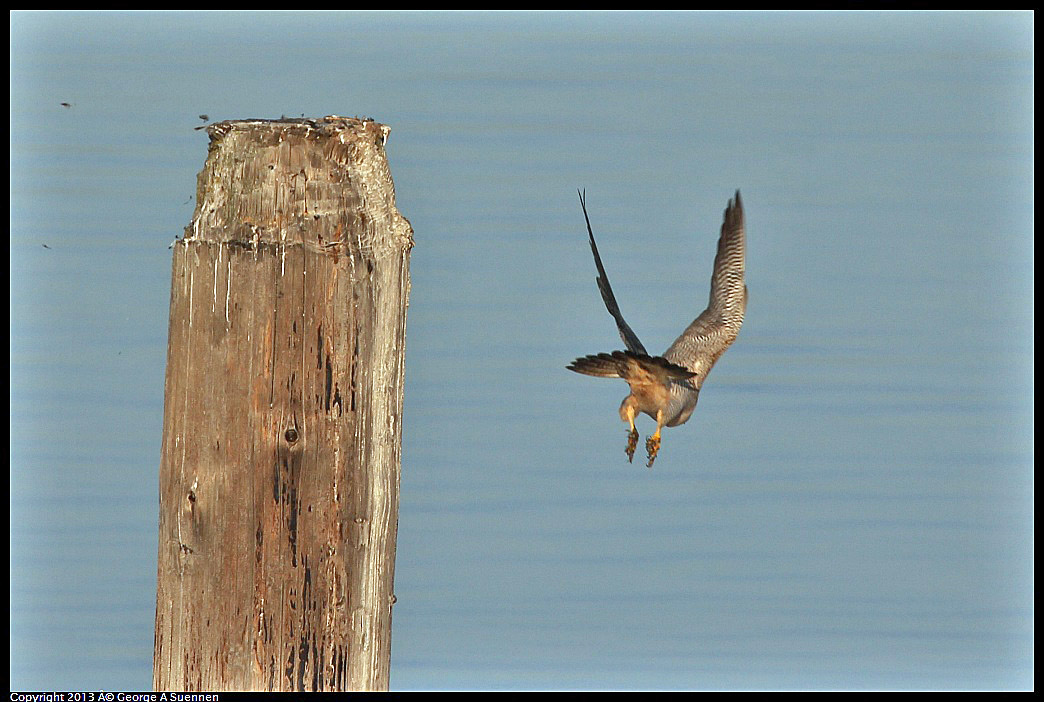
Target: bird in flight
pixel 667 387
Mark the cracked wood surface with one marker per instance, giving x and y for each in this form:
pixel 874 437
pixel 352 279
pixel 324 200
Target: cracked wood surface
pixel 279 475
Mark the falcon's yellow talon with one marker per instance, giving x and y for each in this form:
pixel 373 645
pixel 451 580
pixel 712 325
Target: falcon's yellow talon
pixel 632 444
pixel 652 446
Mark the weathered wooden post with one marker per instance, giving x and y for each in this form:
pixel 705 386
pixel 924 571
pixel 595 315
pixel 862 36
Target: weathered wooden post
pixel 279 477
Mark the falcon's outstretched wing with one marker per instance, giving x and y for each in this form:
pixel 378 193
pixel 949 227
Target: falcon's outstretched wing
pixel 630 339
pixel 703 342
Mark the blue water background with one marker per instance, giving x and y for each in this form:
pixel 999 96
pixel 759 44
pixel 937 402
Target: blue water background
pixel 851 505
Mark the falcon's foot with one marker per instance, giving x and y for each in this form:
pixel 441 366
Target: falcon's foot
pixel 652 446
pixel 632 444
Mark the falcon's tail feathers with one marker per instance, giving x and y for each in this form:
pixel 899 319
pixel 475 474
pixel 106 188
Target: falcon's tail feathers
pixel 618 363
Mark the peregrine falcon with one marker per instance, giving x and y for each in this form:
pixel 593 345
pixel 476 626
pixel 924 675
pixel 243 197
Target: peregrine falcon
pixel 667 387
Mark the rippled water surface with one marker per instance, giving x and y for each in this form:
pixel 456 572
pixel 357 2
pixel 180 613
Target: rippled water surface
pixel 850 506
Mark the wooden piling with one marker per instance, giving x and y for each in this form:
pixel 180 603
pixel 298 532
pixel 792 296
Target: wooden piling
pixel 279 476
